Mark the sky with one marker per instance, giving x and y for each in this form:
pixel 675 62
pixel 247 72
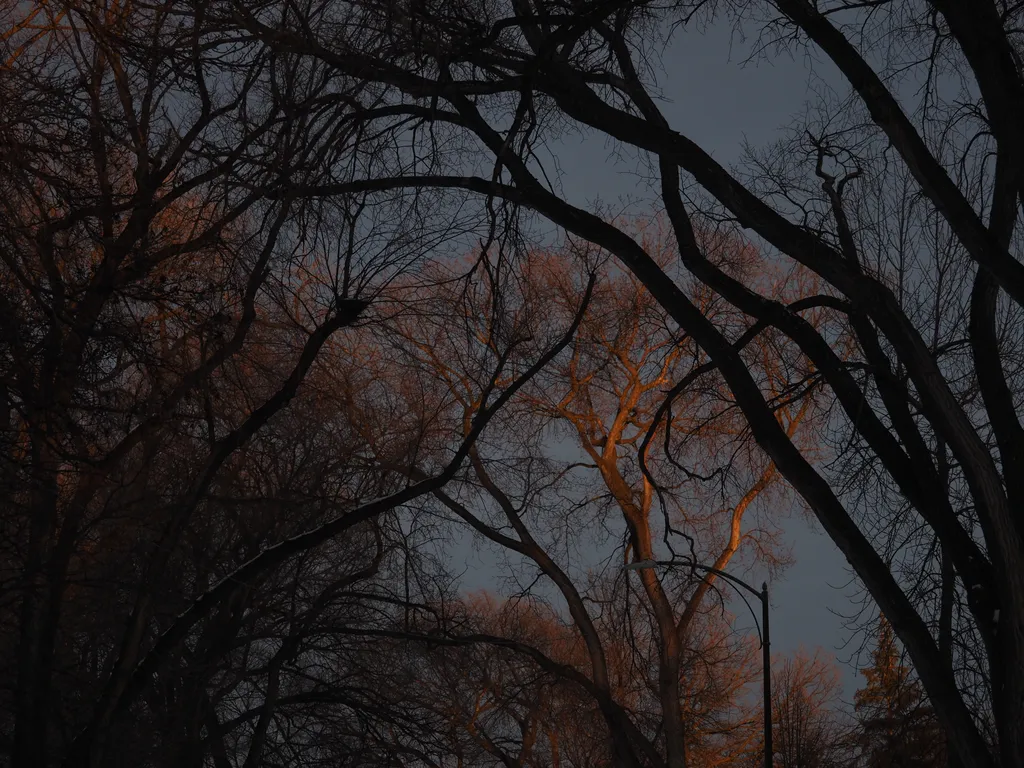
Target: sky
pixel 719 101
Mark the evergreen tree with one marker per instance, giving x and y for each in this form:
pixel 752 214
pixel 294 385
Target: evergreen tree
pixel 898 726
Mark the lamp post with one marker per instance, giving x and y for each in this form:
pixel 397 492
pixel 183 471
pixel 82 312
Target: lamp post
pixel 766 660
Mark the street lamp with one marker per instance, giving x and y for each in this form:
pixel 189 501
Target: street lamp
pixel 766 660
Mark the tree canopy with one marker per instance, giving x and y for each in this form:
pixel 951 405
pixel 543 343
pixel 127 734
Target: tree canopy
pixel 292 300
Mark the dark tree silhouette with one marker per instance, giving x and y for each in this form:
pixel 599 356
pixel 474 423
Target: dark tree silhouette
pixel 905 209
pixel 188 185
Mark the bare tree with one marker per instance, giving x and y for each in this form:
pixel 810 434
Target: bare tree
pixel 144 139
pixel 936 421
pixel 607 395
pixel 812 730
pixel 188 511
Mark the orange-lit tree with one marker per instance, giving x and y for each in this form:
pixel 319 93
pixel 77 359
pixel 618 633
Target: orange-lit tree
pixel 584 449
pixel 899 189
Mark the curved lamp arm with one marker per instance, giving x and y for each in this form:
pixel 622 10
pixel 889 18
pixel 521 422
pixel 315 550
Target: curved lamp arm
pixel 760 594
pixel 641 565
